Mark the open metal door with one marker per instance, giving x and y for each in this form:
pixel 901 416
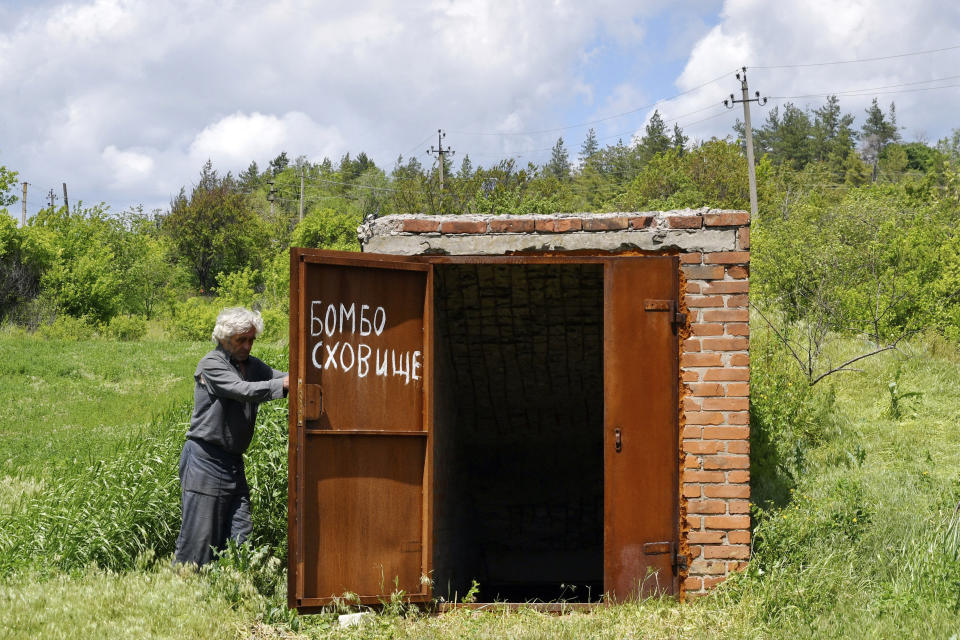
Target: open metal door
pixel 641 441
pixel 359 517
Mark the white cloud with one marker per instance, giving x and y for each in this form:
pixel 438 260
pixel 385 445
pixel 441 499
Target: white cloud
pixel 129 168
pixel 94 89
pixel 791 32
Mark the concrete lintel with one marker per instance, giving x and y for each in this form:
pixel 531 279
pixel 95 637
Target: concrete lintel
pixel 708 240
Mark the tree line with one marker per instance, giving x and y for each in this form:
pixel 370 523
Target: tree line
pixel 828 189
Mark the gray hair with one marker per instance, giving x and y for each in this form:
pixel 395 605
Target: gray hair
pixel 234 320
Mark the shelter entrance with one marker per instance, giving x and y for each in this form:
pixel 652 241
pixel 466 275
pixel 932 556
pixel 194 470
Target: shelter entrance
pixel 518 431
pixel 508 420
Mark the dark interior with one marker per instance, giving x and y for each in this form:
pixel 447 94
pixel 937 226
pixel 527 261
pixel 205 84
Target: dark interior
pixel 518 431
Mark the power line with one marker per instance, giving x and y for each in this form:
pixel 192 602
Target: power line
pixel 856 60
pixel 598 121
pixel 859 93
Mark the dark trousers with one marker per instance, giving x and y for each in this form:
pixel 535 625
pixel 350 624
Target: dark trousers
pixel 208 522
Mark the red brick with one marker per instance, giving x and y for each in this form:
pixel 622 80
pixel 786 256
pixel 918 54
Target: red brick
pixel 604 224
pixel 740 301
pixel 708 272
pixel 724 344
pixel 727 374
pixel 740 565
pixel 691 462
pixel 512 225
pixel 705 329
pixel 738 417
pixel 702 446
pixel 738 476
pixel 738 446
pixel 727 491
pixel 704 301
pixel 463 226
pixel 743 238
pixel 726 462
pixel 705 537
pixel 727 522
pixel 739 359
pixel 710 583
pixel 726 219
pixel 725 404
pixel 684 222
pixel 737 272
pixel 691 345
pixel 739 506
pixel 693 583
pixel 643 222
pixel 564 225
pixel 704 417
pixel 690 376
pixel 738 329
pixel 693 287
pixel 691 491
pixel 706 506
pixel 727 257
pixel 727 286
pixel 708 567
pixel 692 475
pixel 706 390
pixel 694 551
pixel 726 315
pixel 738 389
pixel 701 360
pixel 692 431
pixel 695 522
pixel 738 537
pixel 726 433
pixel 548 225
pixel 691 258
pixel 691 403
pixel 726 551
pixel 421 226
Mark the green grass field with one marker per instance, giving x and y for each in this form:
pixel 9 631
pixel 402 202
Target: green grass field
pixel 861 546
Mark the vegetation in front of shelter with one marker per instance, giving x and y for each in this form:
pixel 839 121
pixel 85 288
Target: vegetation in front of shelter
pixel 855 457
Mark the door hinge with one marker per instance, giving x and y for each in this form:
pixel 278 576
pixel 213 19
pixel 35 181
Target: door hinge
pixel 679 561
pixel 677 319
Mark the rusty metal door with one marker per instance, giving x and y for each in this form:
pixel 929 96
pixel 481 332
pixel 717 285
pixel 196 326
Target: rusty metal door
pixel 360 427
pixel 641 463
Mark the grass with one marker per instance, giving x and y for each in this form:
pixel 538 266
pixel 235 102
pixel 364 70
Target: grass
pixel 863 542
pixel 66 403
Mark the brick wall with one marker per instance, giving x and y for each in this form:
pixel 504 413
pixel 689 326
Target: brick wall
pixel 714 361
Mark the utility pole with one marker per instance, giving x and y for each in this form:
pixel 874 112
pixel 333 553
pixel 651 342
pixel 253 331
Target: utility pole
pixel 440 151
pixel 53 198
pixel 66 202
pixel 271 196
pixel 301 194
pixel 746 100
pixel 23 219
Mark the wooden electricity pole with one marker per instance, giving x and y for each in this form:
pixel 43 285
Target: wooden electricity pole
pixel 53 198
pixel 746 100
pixel 23 219
pixel 440 151
pixel 66 203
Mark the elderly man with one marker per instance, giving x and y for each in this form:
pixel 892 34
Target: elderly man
pixel 230 385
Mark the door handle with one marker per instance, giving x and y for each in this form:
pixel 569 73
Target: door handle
pixel 618 440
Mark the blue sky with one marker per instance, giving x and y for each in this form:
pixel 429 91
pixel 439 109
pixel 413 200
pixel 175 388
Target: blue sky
pixel 125 99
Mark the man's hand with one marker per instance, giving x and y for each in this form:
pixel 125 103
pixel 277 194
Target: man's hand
pixel 286 383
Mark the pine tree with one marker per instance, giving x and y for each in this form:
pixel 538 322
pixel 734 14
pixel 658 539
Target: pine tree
pixel 589 148
pixel 679 140
pixel 559 165
pixel 466 168
pixel 655 140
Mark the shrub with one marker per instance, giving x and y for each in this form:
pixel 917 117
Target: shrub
pixel 194 319
pixel 787 416
pixel 68 328
pixel 127 327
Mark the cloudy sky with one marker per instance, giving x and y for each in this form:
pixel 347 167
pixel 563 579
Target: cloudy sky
pixel 125 99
